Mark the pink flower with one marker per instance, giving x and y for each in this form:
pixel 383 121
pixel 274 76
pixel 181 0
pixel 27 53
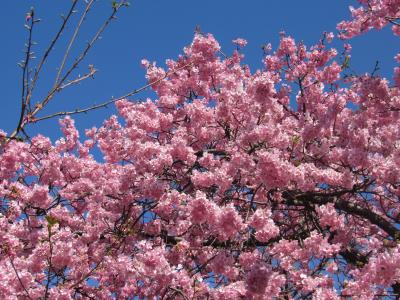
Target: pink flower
pixel 218 188
pixel 264 225
pixel 396 30
pixel 329 36
pixel 257 279
pixel 240 42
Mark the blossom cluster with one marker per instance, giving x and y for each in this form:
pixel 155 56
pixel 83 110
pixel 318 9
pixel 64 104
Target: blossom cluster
pixel 221 188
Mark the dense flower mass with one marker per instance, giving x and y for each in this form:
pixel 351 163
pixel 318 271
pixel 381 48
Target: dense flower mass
pixel 221 188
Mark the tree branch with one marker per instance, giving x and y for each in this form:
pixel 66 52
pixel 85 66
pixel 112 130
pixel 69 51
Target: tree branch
pixel 104 104
pixel 71 42
pixel 50 48
pixel 294 198
pixel 19 278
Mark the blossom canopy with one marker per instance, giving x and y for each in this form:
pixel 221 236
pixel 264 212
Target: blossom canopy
pixel 221 188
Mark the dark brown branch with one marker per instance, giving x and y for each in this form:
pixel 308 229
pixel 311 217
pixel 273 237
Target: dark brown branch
pixel 25 80
pixel 19 278
pixel 344 205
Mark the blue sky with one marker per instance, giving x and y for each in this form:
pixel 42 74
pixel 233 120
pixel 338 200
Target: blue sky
pixel 157 30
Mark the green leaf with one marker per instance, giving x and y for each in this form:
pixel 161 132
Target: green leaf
pixel 295 139
pixel 51 220
pixel 346 62
pixel 297 163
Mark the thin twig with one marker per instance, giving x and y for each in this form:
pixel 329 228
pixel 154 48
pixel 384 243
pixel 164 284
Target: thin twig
pixel 92 71
pixel 392 20
pixel 71 42
pixel 49 49
pixel 78 60
pixel 104 104
pixel 25 81
pixel 60 83
pixel 46 294
pixel 178 291
pixel 19 278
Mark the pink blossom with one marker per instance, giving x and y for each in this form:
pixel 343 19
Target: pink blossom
pixel 240 42
pixel 219 188
pixel 257 279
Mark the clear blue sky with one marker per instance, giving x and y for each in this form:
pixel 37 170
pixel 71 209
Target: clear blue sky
pixel 157 30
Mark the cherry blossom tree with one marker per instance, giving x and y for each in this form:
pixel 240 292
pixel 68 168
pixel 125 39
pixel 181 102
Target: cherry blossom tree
pixel 220 188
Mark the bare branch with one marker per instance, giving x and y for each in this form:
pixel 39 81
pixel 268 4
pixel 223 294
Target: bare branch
pixel 71 42
pixel 56 88
pixel 344 205
pixel 60 83
pixel 92 71
pixel 49 49
pixel 25 66
pixel 104 104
